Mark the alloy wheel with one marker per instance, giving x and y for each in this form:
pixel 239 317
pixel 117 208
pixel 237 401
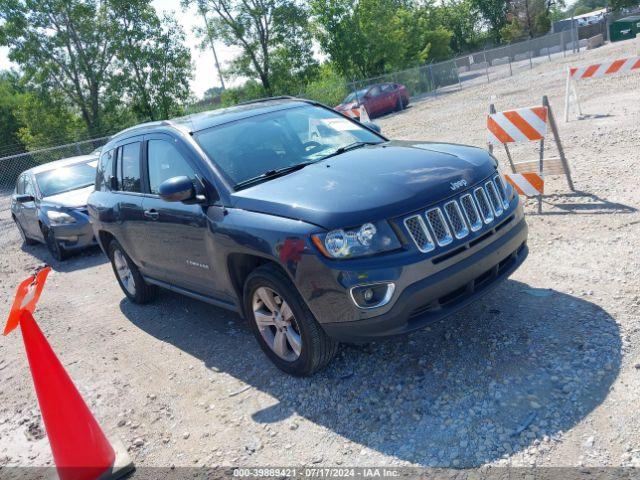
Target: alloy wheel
pixel 124 272
pixel 277 324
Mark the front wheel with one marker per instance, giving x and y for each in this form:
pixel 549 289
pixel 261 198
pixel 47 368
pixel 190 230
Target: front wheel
pixel 284 326
pixel 55 249
pixel 129 277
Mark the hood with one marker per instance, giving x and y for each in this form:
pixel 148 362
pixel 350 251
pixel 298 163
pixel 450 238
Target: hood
pixel 73 199
pixel 371 183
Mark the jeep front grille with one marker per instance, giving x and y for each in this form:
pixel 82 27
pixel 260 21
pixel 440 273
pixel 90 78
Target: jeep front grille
pixel 419 233
pixel 483 204
pixel 439 227
pixel 496 203
pixel 471 211
pixel 502 191
pixel 454 215
pixel 457 218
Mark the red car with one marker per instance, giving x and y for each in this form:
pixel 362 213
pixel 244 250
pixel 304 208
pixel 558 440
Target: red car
pixel 378 99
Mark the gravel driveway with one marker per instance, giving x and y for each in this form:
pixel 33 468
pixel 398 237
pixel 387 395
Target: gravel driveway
pixel 544 371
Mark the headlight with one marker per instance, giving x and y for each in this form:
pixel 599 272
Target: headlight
pixel 60 218
pixel 368 239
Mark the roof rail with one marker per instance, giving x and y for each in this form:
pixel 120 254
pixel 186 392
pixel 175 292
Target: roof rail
pixel 266 99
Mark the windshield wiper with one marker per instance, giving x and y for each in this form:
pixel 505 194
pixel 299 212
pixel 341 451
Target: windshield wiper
pixel 269 174
pixel 351 146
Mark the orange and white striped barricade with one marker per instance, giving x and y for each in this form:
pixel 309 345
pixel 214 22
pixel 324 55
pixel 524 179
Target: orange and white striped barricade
pixel 596 70
pixel 529 184
pixel 528 125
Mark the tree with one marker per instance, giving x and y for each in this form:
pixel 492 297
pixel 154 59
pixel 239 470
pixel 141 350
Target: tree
pixel 10 97
pixel 529 17
pixel 370 37
pixel 46 120
pixel 621 4
pixel 63 45
pixel 154 66
pixel 494 12
pixel 100 57
pixel 272 35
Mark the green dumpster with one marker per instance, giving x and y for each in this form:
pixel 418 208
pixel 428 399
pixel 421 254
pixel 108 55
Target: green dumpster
pixel 625 28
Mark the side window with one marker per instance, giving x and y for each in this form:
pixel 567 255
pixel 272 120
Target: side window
pixel 129 168
pixel 375 91
pixel 165 161
pixel 104 172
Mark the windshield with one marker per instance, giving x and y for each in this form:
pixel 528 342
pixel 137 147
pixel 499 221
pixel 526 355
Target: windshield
pixel 250 147
pixel 65 179
pixel 355 96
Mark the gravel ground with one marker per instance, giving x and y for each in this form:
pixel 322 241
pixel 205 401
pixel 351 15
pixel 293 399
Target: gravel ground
pixel 544 371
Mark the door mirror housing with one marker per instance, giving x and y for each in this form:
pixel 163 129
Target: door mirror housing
pixel 373 126
pixel 177 189
pixel 25 198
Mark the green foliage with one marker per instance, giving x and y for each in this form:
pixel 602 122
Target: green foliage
pixel 621 4
pixel 153 64
pixel 46 121
pixel 93 54
pixel 512 32
pixel 371 37
pixel 494 12
pixel 10 97
pixel 273 37
pixel 329 88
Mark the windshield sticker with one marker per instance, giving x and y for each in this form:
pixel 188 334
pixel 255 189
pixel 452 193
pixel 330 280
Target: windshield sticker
pixel 335 124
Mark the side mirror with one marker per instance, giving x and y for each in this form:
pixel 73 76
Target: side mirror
pixel 373 126
pixel 177 189
pixel 24 198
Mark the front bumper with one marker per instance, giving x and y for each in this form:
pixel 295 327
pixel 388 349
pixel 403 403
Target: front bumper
pixel 442 294
pixel 75 236
pixel 427 288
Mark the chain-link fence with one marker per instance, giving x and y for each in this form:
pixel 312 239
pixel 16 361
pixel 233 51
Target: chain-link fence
pixel 485 65
pixel 11 166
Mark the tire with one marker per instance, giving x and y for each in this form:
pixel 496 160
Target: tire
pixel 55 249
pixel 399 104
pixel 25 240
pixel 132 284
pixel 316 349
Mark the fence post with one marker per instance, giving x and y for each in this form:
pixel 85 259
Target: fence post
pixel 564 51
pixel 486 64
pixel 530 61
pixel 509 58
pixel 78 149
pixel 433 83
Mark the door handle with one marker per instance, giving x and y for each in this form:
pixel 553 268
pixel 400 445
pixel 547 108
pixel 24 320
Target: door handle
pixel 151 214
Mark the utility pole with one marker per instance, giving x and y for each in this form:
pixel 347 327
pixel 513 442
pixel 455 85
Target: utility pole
pixel 213 48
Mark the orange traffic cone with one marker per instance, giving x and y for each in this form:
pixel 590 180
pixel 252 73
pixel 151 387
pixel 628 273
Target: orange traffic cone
pixel 80 448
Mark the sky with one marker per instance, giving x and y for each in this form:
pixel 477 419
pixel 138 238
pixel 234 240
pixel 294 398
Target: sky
pixel 205 74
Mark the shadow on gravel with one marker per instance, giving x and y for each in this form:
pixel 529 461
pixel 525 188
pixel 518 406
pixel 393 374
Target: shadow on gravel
pixel 496 378
pixel 579 202
pixel 91 257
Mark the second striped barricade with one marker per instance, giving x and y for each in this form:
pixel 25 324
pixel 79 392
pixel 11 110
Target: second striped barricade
pixel 596 70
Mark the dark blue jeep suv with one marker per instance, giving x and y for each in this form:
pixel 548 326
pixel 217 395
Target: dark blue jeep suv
pixel 312 226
